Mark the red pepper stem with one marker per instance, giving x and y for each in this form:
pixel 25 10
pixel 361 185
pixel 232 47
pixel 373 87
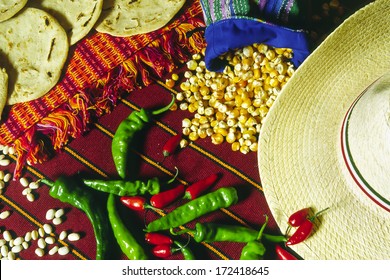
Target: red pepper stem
pixel 317 214
pixel 165 108
pixel 174 177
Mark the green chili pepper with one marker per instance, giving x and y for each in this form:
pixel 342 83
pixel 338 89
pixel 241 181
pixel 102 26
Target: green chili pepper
pixel 67 190
pixel 187 253
pixel 221 198
pixel 125 188
pixel 125 133
pixel 126 241
pixel 254 250
pixel 211 232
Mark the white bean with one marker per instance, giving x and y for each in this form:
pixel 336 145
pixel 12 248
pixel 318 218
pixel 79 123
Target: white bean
pixel 25 245
pixel 41 243
pixel 41 232
pixel 57 221
pixel 39 252
pixel 63 250
pixel 5 162
pixel 7 177
pixel 24 182
pixel 18 240
pixel 11 150
pixel 27 236
pixel 2 242
pixel 30 197
pixel 33 185
pixel 4 250
pixel 5 214
pixel 73 236
pixel 17 249
pixel 50 214
pixel 53 250
pixel 63 235
pixel 11 243
pixel 2 184
pixel 59 213
pixel 34 234
pixel 11 255
pixel 7 235
pixel 47 228
pixel 5 150
pixel 50 240
pixel 1 174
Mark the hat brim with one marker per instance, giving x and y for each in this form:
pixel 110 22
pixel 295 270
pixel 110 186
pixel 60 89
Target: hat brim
pixel 300 161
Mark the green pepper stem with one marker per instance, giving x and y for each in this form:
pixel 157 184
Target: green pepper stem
pixel 181 231
pixel 262 228
pixel 317 214
pixel 165 108
pixel 47 182
pixel 174 177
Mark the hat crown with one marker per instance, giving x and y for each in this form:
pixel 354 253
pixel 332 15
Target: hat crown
pixel 366 141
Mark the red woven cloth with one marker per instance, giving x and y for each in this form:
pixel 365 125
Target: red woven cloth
pixel 106 79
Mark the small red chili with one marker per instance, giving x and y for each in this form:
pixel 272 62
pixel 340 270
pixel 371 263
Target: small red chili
pixel 297 218
pixel 171 145
pixel 165 198
pixel 155 238
pixel 137 203
pixel 283 254
pixel 304 230
pixel 194 190
pixel 163 250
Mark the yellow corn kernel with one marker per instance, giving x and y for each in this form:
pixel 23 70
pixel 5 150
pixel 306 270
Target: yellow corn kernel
pixel 193 136
pixel 185 86
pixel 235 146
pixel 175 77
pixel 222 131
pixel 230 137
pixel 202 133
pixel 192 64
pixel 217 138
pixel 169 83
pixel 244 149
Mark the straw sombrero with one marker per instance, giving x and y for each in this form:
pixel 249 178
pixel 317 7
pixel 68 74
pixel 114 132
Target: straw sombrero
pixel 326 142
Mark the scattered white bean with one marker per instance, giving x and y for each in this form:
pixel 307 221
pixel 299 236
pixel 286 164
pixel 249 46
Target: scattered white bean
pixel 39 252
pixel 11 255
pixel 1 191
pixel 34 234
pixel 11 243
pixel 47 228
pixel 53 250
pixel 11 150
pixel 5 214
pixel 2 184
pixel 57 221
pixel 17 249
pixel 7 235
pixel 59 213
pixel 24 182
pixel 63 250
pixel 27 236
pixel 41 243
pixel 50 240
pixel 41 232
pixel 5 150
pixel 33 185
pixel 7 177
pixel 26 191
pixel 50 214
pixel 30 197
pixel 4 250
pixel 5 162
pixel 63 235
pixel 25 245
pixel 1 174
pixel 2 242
pixel 18 240
pixel 73 236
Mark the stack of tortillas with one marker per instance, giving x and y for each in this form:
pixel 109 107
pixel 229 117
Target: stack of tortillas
pixel 35 37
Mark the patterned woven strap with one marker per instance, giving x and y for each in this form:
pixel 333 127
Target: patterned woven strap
pixel 215 10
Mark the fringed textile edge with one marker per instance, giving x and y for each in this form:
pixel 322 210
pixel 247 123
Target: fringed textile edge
pixel 73 118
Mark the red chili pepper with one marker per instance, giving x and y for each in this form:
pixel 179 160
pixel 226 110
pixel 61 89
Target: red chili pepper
pixel 304 230
pixel 163 251
pixel 171 145
pixel 297 218
pixel 156 238
pixel 283 254
pixel 137 203
pixel 194 190
pixel 165 198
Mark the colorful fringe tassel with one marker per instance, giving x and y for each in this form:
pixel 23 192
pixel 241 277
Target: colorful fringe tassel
pixel 57 120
